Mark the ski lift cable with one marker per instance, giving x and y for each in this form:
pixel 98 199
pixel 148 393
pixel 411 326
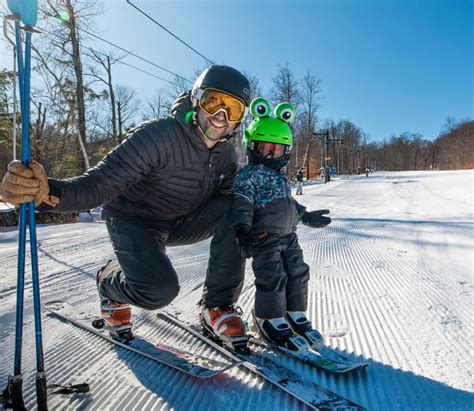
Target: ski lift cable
pixel 126 64
pixel 128 52
pixel 135 55
pixel 59 17
pixel 132 66
pixel 168 31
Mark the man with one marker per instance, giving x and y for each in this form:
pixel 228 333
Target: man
pixel 299 182
pixel 168 183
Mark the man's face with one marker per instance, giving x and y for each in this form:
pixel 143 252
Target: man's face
pixel 215 127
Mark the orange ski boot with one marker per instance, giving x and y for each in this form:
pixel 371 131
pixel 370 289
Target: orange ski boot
pixel 224 325
pixel 116 316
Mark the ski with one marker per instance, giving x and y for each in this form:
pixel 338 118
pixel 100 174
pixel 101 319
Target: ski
pixel 326 359
pixel 189 363
pixel 307 392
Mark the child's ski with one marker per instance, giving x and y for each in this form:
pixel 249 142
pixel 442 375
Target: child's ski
pixel 325 359
pixel 308 392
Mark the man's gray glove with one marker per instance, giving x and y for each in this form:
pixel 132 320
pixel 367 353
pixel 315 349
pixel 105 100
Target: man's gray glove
pixel 316 219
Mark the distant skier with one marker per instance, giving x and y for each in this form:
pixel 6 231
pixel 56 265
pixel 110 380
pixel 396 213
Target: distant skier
pixel 367 171
pixel 169 183
pixel 299 182
pixel 264 219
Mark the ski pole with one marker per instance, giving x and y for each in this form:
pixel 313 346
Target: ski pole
pixel 15 381
pixel 27 12
pixel 41 393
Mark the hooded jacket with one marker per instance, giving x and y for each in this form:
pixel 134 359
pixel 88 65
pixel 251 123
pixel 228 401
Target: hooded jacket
pixel 161 171
pixel 263 202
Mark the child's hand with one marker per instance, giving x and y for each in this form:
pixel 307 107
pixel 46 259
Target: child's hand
pixel 316 219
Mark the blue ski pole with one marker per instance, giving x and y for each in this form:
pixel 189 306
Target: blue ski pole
pixel 27 12
pixel 14 391
pixel 41 393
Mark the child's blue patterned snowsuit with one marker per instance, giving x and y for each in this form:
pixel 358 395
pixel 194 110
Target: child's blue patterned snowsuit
pixel 263 201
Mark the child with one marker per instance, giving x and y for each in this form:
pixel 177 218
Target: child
pixel 264 219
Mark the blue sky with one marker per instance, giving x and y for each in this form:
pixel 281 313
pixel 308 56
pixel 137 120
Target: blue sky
pixel 388 66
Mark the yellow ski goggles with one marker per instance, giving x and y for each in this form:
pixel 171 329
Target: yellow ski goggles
pixel 212 101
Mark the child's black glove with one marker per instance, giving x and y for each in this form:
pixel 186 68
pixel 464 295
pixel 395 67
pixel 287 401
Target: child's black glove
pixel 316 219
pixel 244 240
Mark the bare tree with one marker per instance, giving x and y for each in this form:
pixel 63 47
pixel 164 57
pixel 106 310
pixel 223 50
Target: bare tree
pixel 454 148
pixel 127 108
pixel 65 49
pixel 306 122
pixel 255 89
pixel 286 88
pixel 105 63
pixel 310 95
pixel 158 105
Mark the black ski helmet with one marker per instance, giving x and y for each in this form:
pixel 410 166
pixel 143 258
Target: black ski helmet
pixel 226 79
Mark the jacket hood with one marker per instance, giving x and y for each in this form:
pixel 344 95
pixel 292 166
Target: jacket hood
pixel 182 110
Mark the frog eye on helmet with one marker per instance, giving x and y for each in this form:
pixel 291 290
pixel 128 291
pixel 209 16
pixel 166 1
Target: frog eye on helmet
pixel 285 112
pixel 260 107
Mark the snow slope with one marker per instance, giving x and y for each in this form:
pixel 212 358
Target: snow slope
pixel 391 283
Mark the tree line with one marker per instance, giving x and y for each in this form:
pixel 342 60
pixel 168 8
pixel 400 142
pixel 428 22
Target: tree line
pixel 79 111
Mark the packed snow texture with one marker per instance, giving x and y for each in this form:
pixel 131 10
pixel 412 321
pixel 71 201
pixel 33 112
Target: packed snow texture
pixel 391 283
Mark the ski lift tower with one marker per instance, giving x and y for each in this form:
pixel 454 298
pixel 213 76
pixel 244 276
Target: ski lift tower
pixel 327 138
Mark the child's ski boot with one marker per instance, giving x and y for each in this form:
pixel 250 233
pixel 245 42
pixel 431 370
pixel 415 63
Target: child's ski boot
pixel 224 325
pixel 116 316
pixel 302 326
pixel 276 331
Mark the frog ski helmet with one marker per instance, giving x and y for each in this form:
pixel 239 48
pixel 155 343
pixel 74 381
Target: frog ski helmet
pixel 268 139
pixel 227 80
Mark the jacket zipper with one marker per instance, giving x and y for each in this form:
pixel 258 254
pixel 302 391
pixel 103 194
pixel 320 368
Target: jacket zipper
pixel 206 180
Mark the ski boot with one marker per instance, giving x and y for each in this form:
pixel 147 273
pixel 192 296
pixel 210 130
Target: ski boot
pixel 116 316
pixel 276 331
pixel 302 326
pixel 224 325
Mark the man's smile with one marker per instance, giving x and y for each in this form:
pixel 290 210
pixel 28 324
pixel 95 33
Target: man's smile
pixel 217 124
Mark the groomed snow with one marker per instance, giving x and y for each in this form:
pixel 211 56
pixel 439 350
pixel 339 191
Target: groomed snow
pixel 392 283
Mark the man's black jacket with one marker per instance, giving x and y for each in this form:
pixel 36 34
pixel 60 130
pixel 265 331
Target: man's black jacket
pixel 161 171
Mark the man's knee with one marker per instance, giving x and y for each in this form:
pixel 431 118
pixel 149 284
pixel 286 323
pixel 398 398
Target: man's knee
pixel 159 295
pixel 169 292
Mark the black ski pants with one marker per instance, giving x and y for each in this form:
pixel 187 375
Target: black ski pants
pixel 281 276
pixel 143 274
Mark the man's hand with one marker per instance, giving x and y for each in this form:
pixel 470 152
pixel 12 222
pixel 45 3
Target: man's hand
pixel 316 219
pixel 23 184
pixel 244 241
